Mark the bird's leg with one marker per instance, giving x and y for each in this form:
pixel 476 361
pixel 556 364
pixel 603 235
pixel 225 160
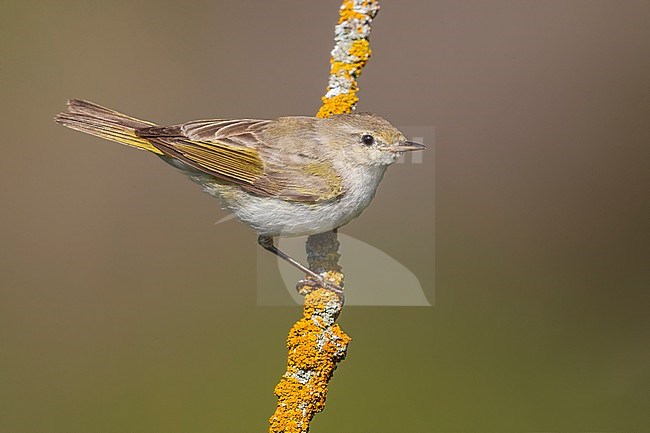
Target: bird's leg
pixel 267 243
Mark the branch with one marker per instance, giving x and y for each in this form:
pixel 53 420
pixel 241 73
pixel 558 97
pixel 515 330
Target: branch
pixel 316 343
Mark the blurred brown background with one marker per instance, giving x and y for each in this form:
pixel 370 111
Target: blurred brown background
pixel 124 309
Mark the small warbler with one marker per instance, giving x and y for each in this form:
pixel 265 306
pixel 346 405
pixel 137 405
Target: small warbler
pixel 291 176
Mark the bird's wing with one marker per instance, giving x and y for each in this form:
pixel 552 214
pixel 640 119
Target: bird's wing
pixel 239 151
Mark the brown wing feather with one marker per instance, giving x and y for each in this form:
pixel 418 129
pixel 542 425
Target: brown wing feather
pixel 239 151
pixel 218 129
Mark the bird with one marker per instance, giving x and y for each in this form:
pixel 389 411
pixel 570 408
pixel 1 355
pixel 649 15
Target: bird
pixel 291 176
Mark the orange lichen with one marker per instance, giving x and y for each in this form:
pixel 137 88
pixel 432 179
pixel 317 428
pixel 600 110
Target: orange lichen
pixel 361 49
pixel 339 104
pixel 342 68
pixel 315 346
pixel 347 12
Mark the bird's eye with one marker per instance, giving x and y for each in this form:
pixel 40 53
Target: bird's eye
pixel 368 139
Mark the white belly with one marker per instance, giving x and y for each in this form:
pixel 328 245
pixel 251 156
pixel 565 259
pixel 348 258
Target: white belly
pixel 275 217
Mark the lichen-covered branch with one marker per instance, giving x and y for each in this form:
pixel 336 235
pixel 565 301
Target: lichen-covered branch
pixel 350 54
pixel 316 343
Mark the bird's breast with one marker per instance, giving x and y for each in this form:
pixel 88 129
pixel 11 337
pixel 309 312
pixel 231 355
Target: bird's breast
pixel 273 216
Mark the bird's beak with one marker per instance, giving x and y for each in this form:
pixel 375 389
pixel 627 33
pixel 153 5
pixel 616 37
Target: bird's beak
pixel 406 146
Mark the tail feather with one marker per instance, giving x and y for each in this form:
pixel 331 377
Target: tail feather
pixel 102 122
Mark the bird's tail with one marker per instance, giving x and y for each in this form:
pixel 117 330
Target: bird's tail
pixel 102 122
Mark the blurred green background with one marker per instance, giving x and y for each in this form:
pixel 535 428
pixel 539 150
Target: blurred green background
pixel 123 308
